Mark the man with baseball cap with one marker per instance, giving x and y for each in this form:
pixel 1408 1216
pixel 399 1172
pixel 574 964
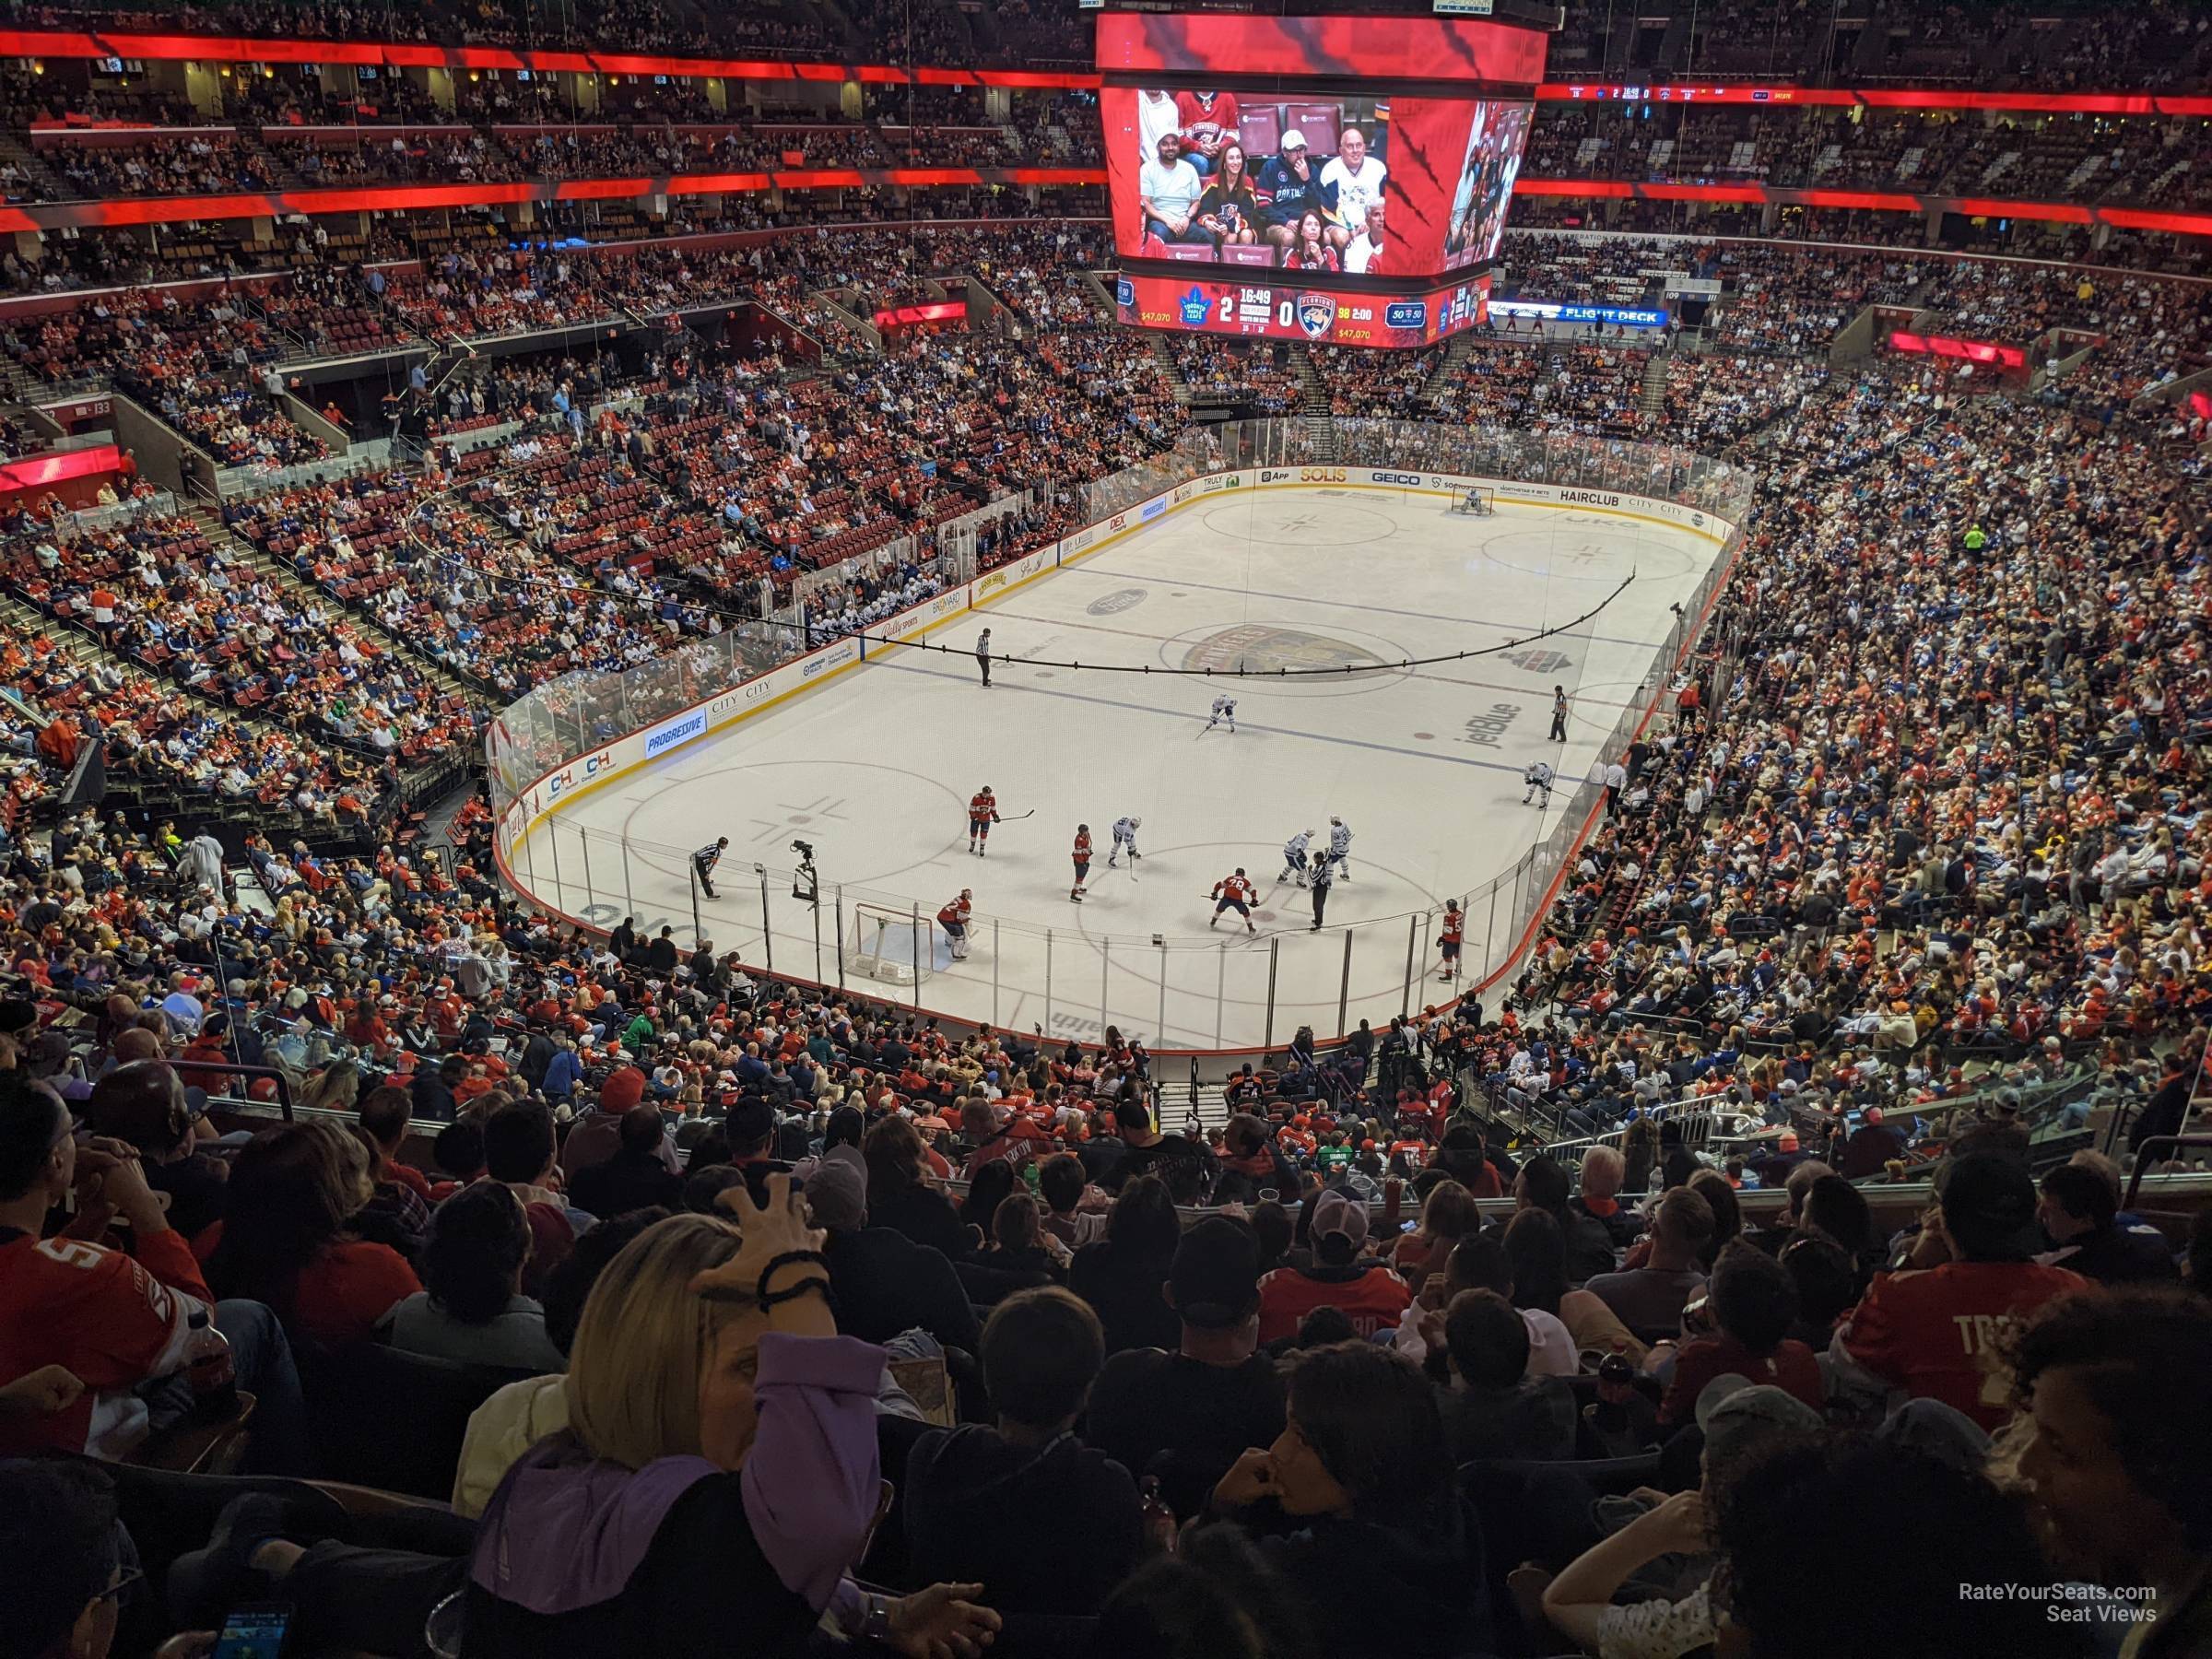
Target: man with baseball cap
pixel 1365 1291
pixel 1187 1416
pixel 1944 1333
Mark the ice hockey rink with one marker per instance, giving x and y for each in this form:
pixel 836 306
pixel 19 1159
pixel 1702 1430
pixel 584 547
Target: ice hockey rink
pixel 873 769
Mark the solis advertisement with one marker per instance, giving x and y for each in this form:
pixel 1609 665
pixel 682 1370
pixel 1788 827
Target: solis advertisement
pixel 1288 311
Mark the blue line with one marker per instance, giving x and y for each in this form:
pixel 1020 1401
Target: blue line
pixel 1106 702
pixel 1512 630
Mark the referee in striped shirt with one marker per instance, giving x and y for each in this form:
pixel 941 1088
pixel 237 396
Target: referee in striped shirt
pixel 705 859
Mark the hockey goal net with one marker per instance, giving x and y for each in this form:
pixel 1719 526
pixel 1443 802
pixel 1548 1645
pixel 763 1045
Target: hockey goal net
pixel 897 946
pixel 1476 500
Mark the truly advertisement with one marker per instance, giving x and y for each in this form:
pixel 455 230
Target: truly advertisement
pixel 1266 310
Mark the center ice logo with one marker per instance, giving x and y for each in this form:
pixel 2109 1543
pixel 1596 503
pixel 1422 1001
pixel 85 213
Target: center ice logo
pixel 1260 648
pixel 1533 661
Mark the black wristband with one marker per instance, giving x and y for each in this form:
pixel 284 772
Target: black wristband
pixel 805 1287
pixel 785 1260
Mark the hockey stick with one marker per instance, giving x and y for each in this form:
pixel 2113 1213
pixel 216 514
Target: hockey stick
pixel 1016 817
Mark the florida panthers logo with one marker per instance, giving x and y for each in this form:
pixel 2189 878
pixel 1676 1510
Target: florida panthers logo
pixel 1316 314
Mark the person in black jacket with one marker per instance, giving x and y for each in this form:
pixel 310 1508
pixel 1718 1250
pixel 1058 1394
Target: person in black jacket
pixel 1542 1184
pixel 900 1196
pixel 636 1177
pixel 2080 1211
pixel 882 1281
pixel 1361 1480
pixel 1045 1522
pixel 433 1090
pixel 1123 1274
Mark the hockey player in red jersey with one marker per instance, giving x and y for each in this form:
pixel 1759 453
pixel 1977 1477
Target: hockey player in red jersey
pixel 954 919
pixel 1082 858
pixel 1234 892
pixel 982 812
pixel 1453 932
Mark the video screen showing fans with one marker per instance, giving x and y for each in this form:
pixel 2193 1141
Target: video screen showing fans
pixel 1341 185
pixel 1485 191
pixel 1228 178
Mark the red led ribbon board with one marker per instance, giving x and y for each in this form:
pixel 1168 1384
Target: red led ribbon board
pixel 1967 351
pixel 1430 49
pixel 906 316
pixel 1291 310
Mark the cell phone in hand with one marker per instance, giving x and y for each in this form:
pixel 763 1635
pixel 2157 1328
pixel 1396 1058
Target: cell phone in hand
pixel 255 1633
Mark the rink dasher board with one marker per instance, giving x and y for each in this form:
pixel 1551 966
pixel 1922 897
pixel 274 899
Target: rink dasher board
pixel 569 782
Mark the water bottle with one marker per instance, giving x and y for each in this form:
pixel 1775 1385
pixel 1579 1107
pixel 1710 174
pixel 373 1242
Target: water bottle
pixel 208 1368
pixel 1158 1518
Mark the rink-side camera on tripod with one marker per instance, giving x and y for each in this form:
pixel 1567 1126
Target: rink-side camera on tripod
pixel 806 885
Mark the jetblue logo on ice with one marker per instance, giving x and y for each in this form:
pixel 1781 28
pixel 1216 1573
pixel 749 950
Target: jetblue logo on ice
pixel 1406 314
pixel 1125 292
pixel 1195 307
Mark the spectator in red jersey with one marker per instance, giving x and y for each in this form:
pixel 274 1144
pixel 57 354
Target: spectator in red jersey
pixel 287 1237
pixel 1753 1300
pixel 1368 1294
pixel 114 1320
pixel 1944 1333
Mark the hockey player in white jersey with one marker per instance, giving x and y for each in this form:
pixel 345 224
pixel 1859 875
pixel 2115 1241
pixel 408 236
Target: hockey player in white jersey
pixel 1537 777
pixel 1225 708
pixel 1294 857
pixel 1125 840
pixel 1340 847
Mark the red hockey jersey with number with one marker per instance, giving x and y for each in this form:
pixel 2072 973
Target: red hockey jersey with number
pixel 113 1319
pixel 984 805
pixel 1370 1294
pixel 956 913
pixel 1455 926
pixel 1233 886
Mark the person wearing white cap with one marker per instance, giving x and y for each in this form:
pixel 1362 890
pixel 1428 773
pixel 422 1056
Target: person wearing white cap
pixel 1368 1294
pixel 1291 186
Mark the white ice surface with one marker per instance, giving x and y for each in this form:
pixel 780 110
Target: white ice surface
pixel 875 766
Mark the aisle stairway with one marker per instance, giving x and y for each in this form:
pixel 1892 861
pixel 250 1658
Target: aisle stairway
pixel 1653 400
pixel 1313 404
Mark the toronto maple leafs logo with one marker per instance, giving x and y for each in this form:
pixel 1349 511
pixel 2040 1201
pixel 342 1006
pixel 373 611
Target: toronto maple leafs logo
pixel 1196 308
